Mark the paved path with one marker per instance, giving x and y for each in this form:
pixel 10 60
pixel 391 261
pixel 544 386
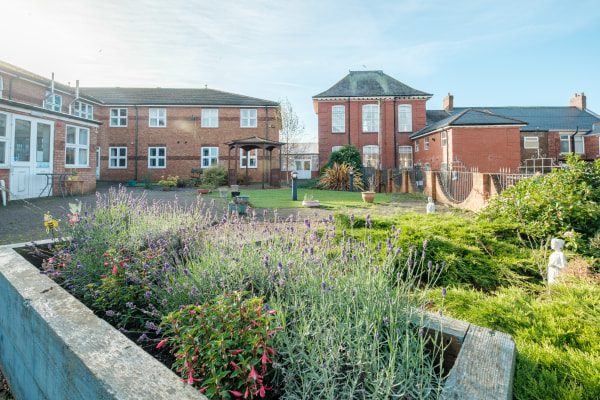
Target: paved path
pixel 23 220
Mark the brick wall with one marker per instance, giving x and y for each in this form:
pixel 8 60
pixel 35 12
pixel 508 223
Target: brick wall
pixel 354 133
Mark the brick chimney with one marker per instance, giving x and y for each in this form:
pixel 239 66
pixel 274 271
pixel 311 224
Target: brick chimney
pixel 448 103
pixel 578 101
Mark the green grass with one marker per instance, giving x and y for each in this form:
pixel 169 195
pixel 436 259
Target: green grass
pixel 329 200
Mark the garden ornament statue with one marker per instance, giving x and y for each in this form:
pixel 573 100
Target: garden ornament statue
pixel 430 205
pixel 557 261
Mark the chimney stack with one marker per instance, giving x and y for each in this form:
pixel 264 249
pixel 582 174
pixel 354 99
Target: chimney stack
pixel 448 103
pixel 578 101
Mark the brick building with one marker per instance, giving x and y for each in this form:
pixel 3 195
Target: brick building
pixel 121 134
pixel 390 125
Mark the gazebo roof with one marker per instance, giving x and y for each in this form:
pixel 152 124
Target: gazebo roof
pixel 255 142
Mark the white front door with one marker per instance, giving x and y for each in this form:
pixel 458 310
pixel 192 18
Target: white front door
pixel 303 168
pixel 31 154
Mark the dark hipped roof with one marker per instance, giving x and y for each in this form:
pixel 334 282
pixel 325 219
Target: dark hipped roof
pixel 370 84
pixel 175 97
pixel 546 118
pixel 468 117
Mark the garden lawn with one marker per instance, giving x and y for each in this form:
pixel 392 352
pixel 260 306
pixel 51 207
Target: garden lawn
pixel 328 199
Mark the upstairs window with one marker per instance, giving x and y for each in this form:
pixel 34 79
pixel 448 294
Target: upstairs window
pixel 248 118
pixel 83 110
pixel 118 117
pixel 210 118
pixel 404 118
pixel 426 143
pixel 158 117
pixel 444 139
pixel 370 118
pixel 53 102
pixel 338 119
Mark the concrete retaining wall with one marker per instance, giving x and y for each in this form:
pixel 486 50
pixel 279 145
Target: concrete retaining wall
pixel 53 347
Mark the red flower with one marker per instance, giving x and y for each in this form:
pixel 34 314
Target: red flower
pixel 236 394
pixel 161 344
pixel 253 374
pixel 114 270
pixel 264 358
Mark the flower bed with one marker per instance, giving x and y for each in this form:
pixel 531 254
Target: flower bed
pixel 308 312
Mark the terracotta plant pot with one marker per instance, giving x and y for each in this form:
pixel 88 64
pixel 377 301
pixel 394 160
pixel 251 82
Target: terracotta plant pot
pixel 368 197
pixel 203 191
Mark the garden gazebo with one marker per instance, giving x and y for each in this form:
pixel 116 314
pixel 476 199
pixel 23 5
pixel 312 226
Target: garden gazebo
pixel 250 144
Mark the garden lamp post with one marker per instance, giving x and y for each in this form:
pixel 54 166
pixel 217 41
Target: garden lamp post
pixel 294 186
pixel 351 180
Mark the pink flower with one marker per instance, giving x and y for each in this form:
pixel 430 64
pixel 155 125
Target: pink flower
pixel 264 358
pixel 114 270
pixel 161 344
pixel 235 366
pixel 253 374
pixel 236 394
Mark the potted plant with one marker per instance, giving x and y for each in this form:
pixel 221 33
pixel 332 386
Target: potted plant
pixel 74 175
pixel 369 195
pixel 204 189
pixel 309 202
pixel 168 183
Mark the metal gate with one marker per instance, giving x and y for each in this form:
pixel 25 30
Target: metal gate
pixel 456 182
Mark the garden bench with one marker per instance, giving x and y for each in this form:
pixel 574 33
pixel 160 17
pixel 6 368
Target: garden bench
pixel 196 175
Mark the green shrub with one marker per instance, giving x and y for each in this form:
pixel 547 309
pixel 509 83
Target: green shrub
pixel 348 154
pixel 564 203
pixel 338 178
pixel 215 176
pixel 224 344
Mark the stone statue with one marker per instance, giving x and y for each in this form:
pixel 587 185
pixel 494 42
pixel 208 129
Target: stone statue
pixel 557 261
pixel 430 205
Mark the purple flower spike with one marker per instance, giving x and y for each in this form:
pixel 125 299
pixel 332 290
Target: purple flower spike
pixel 425 244
pixel 443 293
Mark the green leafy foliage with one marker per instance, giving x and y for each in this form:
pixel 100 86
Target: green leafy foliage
pixel 215 176
pixel 225 345
pixel 348 154
pixel 338 178
pixel 564 203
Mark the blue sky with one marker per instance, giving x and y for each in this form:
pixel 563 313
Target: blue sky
pixel 486 53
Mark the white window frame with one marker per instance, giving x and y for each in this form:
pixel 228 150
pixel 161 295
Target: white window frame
pixel 426 143
pixel 578 140
pixel 210 159
pixel 370 118
pixel 416 145
pixel 53 102
pixel 118 117
pixel 83 110
pixel 115 154
pixel 336 148
pixel 1 86
pixel 210 118
pixel 4 140
pixel 528 140
pixel 406 150
pixel 564 138
pixel 157 118
pixel 155 157
pixel 369 153
pixel 253 158
pixel 443 139
pixel 404 118
pixel 248 118
pixel 338 119
pixel 77 146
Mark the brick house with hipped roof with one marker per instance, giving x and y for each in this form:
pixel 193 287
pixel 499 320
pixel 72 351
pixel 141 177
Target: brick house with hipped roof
pixel 120 134
pixel 374 112
pixel 388 122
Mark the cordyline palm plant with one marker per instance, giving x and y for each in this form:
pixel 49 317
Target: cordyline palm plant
pixel 338 178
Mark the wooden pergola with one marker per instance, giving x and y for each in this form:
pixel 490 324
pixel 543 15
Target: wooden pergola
pixel 250 144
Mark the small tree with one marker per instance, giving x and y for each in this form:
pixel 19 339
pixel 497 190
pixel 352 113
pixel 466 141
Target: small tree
pixel 348 154
pixel 291 129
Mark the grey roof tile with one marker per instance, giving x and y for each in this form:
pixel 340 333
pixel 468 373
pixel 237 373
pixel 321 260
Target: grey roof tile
pixel 369 84
pixel 175 97
pixel 546 118
pixel 468 117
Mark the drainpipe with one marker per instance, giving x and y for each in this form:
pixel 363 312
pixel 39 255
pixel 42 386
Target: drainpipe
pixel 348 118
pixel 379 134
pixel 135 178
pixel 267 137
pixel 395 133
